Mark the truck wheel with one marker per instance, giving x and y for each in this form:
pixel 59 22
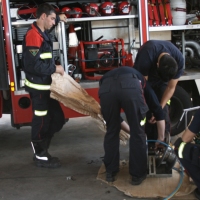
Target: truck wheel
pixel 179 101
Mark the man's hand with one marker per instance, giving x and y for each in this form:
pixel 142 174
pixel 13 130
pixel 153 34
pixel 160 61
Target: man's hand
pixel 59 69
pixel 152 120
pixel 63 17
pixel 159 145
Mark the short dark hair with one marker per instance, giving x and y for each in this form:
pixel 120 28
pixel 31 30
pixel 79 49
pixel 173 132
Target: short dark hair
pixel 45 8
pixel 167 67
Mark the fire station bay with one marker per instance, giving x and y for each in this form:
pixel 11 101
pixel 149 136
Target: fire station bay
pixel 99 99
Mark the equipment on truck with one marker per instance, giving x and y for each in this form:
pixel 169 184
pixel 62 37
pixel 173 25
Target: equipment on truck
pixel 92 9
pixel 67 11
pixel 107 8
pixel 123 7
pixel 100 56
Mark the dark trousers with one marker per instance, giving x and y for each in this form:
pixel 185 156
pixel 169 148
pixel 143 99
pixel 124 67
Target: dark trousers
pixel 124 92
pixel 193 170
pixel 151 129
pixel 45 126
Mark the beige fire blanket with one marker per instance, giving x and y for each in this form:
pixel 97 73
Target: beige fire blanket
pixel 152 187
pixel 70 93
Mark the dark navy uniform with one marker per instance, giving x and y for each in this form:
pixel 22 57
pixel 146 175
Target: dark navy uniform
pixel 194 168
pixel 38 64
pixel 124 88
pixel 146 64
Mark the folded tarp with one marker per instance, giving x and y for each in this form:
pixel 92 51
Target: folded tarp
pixel 70 93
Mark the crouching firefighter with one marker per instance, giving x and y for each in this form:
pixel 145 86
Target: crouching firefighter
pixel 38 64
pixel 189 153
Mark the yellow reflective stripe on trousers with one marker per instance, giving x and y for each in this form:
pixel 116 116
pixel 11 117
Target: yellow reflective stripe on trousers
pixel 40 113
pixel 180 149
pixel 142 122
pixel 45 55
pixel 169 102
pixel 36 86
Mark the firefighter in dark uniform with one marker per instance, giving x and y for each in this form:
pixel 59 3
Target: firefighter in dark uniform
pixel 161 62
pixel 189 153
pixel 122 88
pixel 38 64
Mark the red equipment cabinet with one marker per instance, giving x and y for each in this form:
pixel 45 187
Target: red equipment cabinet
pixel 105 59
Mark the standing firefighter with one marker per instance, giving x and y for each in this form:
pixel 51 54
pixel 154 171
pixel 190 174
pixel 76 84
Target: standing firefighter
pixel 38 64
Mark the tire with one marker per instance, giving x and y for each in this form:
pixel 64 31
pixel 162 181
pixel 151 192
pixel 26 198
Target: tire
pixel 179 101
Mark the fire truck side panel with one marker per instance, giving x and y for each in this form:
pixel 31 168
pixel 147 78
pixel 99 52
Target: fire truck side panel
pixel 22 110
pixel 3 67
pixel 143 18
pixel 8 45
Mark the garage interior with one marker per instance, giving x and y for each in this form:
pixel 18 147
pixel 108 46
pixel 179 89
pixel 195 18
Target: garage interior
pixel 79 145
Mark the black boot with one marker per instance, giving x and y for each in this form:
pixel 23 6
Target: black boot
pixel 41 156
pixel 48 141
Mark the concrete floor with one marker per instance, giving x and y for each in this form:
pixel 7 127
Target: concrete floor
pixel 80 148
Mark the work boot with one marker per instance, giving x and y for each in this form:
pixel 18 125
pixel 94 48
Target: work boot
pixel 111 177
pixel 48 141
pixel 137 180
pixel 41 156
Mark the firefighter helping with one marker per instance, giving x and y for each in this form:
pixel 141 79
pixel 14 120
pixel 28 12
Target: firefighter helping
pixel 143 91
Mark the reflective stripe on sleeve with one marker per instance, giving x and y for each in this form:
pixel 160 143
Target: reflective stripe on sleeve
pixel 40 113
pixel 45 55
pixel 142 122
pixel 36 86
pixel 180 149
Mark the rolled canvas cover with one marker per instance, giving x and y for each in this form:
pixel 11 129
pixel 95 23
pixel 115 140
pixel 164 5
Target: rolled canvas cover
pixel 70 93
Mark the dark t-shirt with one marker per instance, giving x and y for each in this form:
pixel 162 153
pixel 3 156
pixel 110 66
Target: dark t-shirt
pixel 149 94
pixel 195 124
pixel 147 58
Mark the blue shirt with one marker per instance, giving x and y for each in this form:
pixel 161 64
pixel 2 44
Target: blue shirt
pixel 147 58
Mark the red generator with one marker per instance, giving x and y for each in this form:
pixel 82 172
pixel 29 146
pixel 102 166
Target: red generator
pixel 98 57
